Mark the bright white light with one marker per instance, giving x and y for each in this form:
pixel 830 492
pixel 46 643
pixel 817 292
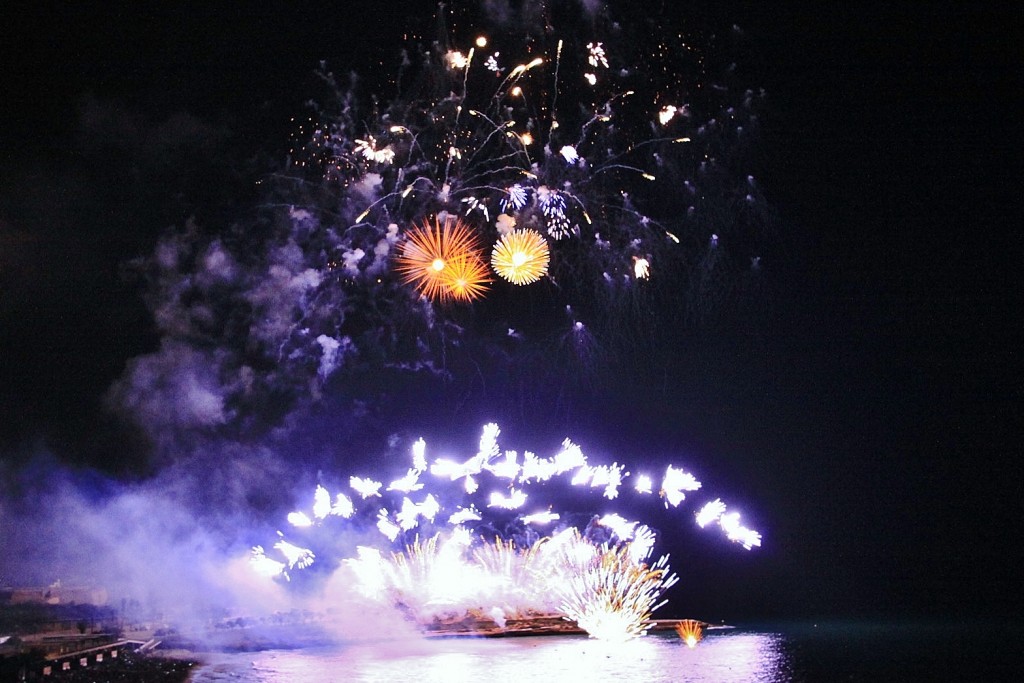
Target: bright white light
pixel 365 487
pixel 429 507
pixel 296 556
pixel 641 268
pixel 596 56
pixel 263 564
pixel 513 501
pixel 738 533
pixel 675 483
pixel 608 476
pixel 570 154
pixel 386 526
pixel 536 469
pixel 407 484
pixel 456 60
pixel 505 468
pixel 463 515
pixel 472 571
pixel 619 525
pixel 368 566
pixel 570 457
pixel 419 450
pixel 666 114
pixel 710 512
pixel 541 518
pixel 368 149
pixel 443 467
pixel 299 519
pixel 321 502
pixel 489 441
pixel 642 544
pixel 343 506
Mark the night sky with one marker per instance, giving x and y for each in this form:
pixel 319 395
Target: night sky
pixel 867 419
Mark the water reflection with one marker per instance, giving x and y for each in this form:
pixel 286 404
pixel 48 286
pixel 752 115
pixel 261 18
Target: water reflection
pixel 721 656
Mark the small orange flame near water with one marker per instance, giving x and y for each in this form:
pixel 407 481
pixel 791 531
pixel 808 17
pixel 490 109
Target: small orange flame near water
pixel 691 631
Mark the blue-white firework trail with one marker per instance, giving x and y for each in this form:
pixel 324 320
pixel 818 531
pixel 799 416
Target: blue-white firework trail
pixel 500 503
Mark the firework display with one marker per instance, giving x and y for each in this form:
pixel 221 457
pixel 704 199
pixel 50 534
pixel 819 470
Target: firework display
pixel 585 159
pixel 508 208
pixel 521 186
pixel 479 538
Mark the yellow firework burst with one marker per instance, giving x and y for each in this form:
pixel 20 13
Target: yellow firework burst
pixel 443 261
pixel 521 256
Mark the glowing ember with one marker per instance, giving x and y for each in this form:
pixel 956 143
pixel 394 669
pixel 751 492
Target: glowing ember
pixel 521 256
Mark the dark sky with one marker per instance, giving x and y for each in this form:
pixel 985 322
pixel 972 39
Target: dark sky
pixel 872 424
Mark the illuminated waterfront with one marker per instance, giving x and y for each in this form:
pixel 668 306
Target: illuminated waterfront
pixel 795 652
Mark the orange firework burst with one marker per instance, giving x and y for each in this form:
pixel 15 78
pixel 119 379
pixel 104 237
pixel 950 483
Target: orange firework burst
pixel 466 278
pixel 443 260
pixel 521 256
pixel 690 630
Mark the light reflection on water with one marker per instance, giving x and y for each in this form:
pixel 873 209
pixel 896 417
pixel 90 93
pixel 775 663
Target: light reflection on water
pixel 724 656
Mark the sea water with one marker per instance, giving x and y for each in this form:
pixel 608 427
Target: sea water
pixel 795 652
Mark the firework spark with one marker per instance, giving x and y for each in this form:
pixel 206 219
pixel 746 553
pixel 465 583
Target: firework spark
pixel 521 256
